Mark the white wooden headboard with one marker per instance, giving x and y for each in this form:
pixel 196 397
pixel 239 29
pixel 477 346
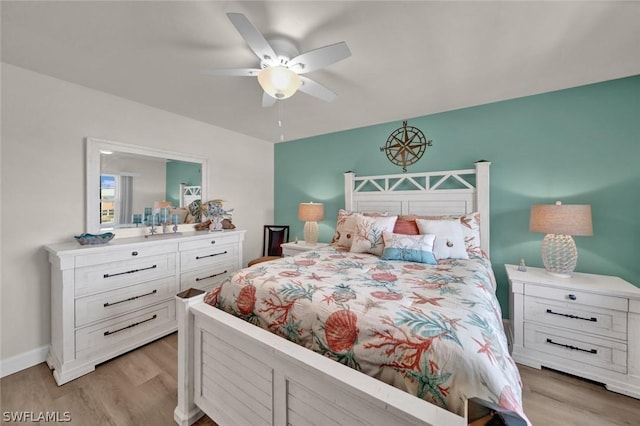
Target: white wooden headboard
pixel 188 194
pixel 451 192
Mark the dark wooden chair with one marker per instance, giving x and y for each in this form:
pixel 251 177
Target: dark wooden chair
pixel 274 236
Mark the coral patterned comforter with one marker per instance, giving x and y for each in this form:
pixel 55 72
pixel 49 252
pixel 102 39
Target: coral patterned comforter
pixel 434 331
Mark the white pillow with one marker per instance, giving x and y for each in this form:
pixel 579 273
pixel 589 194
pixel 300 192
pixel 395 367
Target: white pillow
pixel 367 237
pixel 449 243
pixel 410 248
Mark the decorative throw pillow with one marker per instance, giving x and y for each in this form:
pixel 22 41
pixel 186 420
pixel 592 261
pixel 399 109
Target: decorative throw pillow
pixel 411 248
pixel 449 242
pixel 470 229
pixel 407 227
pixel 346 226
pixel 367 237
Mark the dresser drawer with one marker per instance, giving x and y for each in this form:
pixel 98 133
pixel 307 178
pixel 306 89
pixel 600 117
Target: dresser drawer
pixel 112 335
pixel 108 276
pixel 124 254
pixel 121 301
pixel 572 348
pixel 215 239
pixel 206 278
pixel 573 316
pixel 577 297
pixel 209 256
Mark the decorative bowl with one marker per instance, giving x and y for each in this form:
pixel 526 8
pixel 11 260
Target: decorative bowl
pixel 93 239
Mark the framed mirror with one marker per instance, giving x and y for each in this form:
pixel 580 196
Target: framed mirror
pixel 125 180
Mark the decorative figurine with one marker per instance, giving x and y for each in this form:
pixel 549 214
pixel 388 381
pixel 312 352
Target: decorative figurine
pixel 522 267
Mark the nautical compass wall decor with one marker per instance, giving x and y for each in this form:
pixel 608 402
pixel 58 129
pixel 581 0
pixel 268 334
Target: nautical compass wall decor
pixel 405 146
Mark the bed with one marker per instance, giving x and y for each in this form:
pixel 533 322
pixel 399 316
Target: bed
pixel 415 328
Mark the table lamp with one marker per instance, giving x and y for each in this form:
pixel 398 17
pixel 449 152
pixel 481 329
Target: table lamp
pixel 560 221
pixel 311 213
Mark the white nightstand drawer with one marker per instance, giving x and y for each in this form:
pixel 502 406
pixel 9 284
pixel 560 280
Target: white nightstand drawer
pixel 206 278
pixel 573 316
pixel 111 335
pixel 92 279
pixel 117 302
pixel 576 347
pixel 578 297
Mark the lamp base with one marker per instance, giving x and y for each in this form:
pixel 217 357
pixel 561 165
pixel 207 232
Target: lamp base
pixel 557 275
pixel 311 232
pixel 559 255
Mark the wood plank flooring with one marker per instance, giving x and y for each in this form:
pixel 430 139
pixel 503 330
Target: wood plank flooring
pixel 139 388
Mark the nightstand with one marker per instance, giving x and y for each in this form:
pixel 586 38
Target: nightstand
pixel 587 325
pixel 292 249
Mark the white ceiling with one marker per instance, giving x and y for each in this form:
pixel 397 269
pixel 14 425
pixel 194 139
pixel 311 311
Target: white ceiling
pixel 408 58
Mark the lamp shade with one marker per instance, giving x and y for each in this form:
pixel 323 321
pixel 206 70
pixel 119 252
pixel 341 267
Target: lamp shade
pixel 561 219
pixel 279 82
pixel 311 212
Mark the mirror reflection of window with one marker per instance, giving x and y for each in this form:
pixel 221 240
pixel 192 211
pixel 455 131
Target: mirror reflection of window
pixel 115 199
pixel 107 199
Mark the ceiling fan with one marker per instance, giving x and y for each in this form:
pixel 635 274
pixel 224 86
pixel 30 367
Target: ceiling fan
pixel 281 64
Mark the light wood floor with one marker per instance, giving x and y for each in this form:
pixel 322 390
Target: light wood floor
pixel 139 388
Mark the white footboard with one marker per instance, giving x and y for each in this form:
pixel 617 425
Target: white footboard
pixel 239 374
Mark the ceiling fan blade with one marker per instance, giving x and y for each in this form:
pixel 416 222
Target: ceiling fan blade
pixel 253 37
pixel 316 89
pixel 319 58
pixel 236 72
pixel 267 100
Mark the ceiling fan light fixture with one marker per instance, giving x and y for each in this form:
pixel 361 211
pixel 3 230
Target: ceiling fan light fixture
pixel 279 82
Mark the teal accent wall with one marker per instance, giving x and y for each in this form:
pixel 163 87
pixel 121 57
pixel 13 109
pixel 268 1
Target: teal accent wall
pixel 579 145
pixel 181 172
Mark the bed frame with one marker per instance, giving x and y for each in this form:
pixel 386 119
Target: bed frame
pixel 239 374
pixel 188 194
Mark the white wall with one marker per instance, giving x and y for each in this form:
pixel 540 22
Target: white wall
pixel 44 125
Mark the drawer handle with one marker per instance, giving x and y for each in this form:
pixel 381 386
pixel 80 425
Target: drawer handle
pixel 129 272
pixel 107 333
pixel 134 253
pixel 592 319
pixel 572 297
pixel 211 255
pixel 106 305
pixel 213 241
pixel 575 348
pixel 211 276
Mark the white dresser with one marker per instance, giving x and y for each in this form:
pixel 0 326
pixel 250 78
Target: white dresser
pixel 587 325
pixel 109 299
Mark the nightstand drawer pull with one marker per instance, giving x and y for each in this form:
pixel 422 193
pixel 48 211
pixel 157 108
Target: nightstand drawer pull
pixel 107 304
pixel 107 333
pixel 575 348
pixel 211 276
pixel 572 297
pixel 592 319
pixel 211 255
pixel 129 272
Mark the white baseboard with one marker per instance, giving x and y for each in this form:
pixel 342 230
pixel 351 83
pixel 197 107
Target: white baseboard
pixel 24 360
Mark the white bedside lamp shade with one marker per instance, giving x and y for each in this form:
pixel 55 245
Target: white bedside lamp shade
pixel 560 221
pixel 311 213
